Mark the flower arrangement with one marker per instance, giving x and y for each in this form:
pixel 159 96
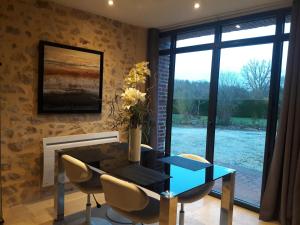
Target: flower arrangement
pixel 134 105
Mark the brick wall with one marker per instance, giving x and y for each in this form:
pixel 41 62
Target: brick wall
pixel 163 76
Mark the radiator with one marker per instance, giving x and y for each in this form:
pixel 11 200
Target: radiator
pixel 52 144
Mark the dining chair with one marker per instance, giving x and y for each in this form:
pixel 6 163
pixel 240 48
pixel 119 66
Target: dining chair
pixel 87 181
pixel 113 215
pixel 129 200
pixel 196 193
pixel 146 146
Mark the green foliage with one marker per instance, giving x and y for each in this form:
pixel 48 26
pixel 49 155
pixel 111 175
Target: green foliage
pixel 189 120
pixel 190 107
pixel 251 108
pixel 184 89
pixel 243 108
pixel 235 122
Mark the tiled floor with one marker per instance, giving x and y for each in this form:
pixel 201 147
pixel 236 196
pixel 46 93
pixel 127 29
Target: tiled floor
pixel 203 212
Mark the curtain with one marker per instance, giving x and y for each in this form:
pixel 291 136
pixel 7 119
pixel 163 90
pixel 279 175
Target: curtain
pixel 281 198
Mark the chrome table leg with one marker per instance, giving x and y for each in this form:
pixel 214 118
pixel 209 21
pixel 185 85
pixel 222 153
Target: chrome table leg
pixel 168 210
pixel 59 195
pixel 181 214
pixel 227 199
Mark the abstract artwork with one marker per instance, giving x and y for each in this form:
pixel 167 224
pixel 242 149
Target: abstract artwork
pixel 70 79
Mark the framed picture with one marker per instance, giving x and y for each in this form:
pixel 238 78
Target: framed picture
pixel 70 79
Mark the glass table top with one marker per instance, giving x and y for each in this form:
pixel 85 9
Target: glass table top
pixel 151 173
pixel 183 180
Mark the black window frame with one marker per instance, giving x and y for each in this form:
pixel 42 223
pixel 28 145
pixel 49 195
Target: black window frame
pixel 277 39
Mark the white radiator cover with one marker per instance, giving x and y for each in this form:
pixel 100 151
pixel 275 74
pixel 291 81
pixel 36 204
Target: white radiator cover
pixel 52 144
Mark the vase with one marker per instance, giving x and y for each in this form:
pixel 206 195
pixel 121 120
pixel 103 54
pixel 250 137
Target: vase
pixel 134 143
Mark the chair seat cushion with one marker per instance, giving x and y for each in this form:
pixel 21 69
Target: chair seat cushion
pixel 150 214
pixel 196 193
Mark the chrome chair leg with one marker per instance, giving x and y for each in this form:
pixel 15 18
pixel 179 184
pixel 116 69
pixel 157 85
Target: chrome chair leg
pixel 115 217
pixel 88 209
pixel 181 215
pixel 88 215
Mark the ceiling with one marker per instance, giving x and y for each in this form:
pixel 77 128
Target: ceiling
pixel 167 14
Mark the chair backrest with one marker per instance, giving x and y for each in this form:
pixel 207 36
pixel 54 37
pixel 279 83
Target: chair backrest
pixel 146 146
pixel 194 157
pixel 76 170
pixel 123 195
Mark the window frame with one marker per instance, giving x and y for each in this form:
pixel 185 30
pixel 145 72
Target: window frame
pixel 277 39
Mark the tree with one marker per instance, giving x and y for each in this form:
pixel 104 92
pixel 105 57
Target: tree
pixel 190 97
pixel 185 89
pixel 228 79
pixel 229 92
pixel 257 74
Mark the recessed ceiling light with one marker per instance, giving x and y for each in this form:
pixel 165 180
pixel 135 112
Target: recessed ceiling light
pixel 237 26
pixel 196 5
pixel 110 2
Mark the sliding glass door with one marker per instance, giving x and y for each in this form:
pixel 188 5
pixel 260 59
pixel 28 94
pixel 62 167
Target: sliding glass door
pixel 242 106
pixel 190 102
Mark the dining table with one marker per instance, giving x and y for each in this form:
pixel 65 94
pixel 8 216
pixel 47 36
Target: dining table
pixel 167 176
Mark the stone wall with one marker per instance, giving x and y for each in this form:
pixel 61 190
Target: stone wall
pixel 22 24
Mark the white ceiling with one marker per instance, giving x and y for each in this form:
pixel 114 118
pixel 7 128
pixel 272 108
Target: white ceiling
pixel 166 14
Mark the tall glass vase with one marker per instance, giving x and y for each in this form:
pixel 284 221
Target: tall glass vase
pixel 134 143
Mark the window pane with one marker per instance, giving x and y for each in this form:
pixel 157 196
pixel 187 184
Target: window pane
pixel 190 102
pixel 252 29
pixel 195 38
pixel 283 72
pixel 287 25
pixel 164 43
pixel 242 106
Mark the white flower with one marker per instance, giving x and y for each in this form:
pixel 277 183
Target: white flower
pixel 132 97
pixel 138 74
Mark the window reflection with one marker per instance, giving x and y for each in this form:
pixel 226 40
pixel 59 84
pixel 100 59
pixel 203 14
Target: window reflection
pixel 195 38
pixel 251 29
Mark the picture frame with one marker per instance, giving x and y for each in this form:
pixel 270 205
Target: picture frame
pixel 70 79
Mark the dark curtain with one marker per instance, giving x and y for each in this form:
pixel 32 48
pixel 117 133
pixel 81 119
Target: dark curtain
pixel 281 198
pixel 1 213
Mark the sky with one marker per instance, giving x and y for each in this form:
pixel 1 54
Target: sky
pixel 197 65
